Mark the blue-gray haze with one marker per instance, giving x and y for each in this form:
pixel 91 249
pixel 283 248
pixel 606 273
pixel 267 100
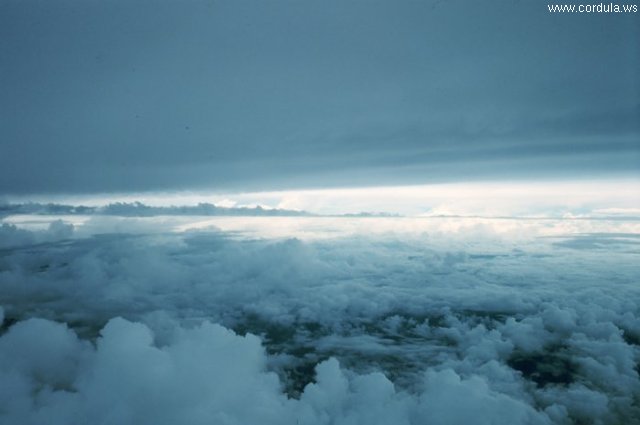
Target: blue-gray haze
pixel 150 95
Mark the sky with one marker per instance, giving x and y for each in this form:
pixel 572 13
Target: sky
pixel 250 96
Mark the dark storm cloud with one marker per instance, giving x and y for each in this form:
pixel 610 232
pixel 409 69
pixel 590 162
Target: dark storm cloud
pixel 115 95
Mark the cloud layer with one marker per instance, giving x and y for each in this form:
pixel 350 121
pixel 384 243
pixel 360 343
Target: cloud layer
pixel 133 96
pixel 450 326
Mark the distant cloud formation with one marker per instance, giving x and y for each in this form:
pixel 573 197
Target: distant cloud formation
pixel 549 198
pixel 138 209
pixel 137 95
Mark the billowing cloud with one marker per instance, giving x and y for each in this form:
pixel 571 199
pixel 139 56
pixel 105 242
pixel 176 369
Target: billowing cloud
pixel 491 322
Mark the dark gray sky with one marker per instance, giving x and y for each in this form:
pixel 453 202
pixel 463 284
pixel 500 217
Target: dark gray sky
pixel 115 95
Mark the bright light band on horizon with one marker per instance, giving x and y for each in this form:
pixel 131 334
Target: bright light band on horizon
pixel 614 197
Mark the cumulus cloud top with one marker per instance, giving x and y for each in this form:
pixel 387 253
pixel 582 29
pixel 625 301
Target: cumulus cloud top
pixel 449 325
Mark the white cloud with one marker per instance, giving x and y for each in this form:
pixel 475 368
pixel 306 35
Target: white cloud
pixel 208 374
pixel 53 230
pixel 444 322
